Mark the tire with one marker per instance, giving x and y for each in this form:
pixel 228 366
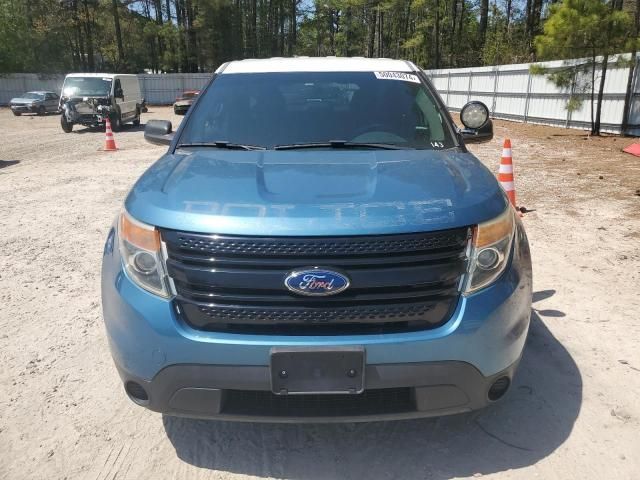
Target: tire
pixel 136 121
pixel 17 114
pixel 66 126
pixel 116 122
pixel 42 111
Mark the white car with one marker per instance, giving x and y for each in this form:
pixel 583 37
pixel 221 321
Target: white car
pixel 39 102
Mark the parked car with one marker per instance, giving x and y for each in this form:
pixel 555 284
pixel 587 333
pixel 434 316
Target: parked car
pixel 183 102
pixel 89 98
pixel 317 244
pixel 40 102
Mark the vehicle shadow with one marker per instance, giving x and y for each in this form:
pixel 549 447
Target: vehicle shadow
pixel 531 422
pixel 8 163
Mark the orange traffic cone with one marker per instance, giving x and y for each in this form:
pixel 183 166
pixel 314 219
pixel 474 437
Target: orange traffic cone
pixel 109 142
pixel 505 174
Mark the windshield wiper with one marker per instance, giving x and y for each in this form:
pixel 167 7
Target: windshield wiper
pixel 343 144
pixel 222 144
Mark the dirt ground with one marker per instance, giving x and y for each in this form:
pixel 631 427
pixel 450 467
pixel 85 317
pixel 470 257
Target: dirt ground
pixel 573 412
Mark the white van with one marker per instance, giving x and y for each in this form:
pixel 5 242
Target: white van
pixel 89 98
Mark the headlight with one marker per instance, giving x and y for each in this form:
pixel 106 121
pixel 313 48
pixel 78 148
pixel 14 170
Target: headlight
pixel 140 251
pixel 490 250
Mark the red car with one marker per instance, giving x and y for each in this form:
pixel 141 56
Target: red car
pixel 184 102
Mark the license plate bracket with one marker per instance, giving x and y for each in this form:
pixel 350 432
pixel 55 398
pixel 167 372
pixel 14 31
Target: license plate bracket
pixel 335 370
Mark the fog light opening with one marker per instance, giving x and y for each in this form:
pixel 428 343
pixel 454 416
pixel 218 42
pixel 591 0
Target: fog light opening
pixel 136 392
pixel 499 388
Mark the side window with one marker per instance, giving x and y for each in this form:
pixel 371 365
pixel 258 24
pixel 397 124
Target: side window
pixel 117 86
pixel 432 119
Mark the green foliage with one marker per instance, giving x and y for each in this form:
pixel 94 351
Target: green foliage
pixel 199 35
pixel 578 28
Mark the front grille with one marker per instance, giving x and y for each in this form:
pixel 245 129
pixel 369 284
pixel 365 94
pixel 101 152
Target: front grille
pixel 236 284
pixel 266 404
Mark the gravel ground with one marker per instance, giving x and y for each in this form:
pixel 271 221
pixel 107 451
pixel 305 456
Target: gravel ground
pixel 573 411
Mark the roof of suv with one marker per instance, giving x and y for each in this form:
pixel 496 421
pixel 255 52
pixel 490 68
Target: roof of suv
pixel 317 64
pixel 105 75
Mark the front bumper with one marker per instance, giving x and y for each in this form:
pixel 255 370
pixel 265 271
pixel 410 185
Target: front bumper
pixel 392 392
pixel 445 370
pixel 31 108
pixel 90 119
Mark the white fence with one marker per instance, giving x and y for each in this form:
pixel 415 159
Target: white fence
pixel 156 89
pixel 511 92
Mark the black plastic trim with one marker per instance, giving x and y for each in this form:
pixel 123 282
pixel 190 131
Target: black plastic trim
pixel 239 393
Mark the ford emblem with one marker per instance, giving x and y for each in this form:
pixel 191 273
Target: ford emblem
pixel 316 282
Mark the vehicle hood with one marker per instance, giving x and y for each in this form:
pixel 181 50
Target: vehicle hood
pixel 315 192
pixel 24 100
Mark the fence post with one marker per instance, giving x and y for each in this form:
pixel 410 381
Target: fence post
pixel 496 75
pixel 527 98
pixel 448 86
pixel 469 86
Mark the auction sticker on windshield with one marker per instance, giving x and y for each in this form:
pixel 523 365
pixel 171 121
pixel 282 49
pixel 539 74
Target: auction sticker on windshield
pixel 406 77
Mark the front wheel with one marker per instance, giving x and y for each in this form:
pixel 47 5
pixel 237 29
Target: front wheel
pixel 17 114
pixel 41 110
pixel 116 122
pixel 66 126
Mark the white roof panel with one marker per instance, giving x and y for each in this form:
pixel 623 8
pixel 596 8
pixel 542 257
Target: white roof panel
pixel 317 64
pixel 105 75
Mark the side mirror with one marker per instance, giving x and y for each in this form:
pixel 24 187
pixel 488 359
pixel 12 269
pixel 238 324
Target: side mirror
pixel 477 124
pixel 158 132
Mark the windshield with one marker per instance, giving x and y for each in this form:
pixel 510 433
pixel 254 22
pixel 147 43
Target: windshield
pixel 274 109
pixel 86 87
pixel 33 96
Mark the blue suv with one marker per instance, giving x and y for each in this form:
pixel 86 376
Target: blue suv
pixel 317 244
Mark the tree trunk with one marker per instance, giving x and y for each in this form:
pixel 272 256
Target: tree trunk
pixel 437 36
pixel 253 30
pixel 632 71
pixel 534 25
pixel 348 34
pixel 528 28
pixel 508 16
pixel 293 25
pixel 281 17
pixel 484 17
pixel 593 81
pixel 454 14
pixel 603 76
pixel 372 33
pixel 603 73
pixel 381 34
pixel 116 23
pixel 88 30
